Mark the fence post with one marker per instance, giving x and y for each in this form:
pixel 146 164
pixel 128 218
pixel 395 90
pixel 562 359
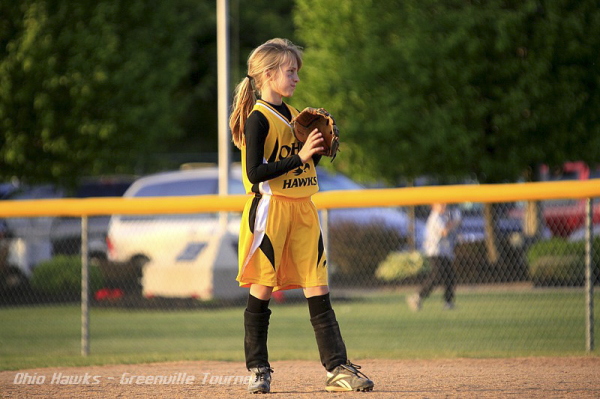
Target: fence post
pixel 589 275
pixel 85 292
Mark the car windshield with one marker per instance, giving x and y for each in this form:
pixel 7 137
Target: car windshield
pixel 36 192
pixel 198 186
pixel 179 188
pixel 115 189
pixel 206 186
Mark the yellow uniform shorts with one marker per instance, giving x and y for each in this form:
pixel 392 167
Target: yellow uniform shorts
pixel 281 244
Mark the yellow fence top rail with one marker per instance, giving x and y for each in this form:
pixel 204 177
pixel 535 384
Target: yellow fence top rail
pixel 324 200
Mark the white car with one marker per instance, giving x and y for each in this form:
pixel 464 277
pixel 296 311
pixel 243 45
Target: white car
pixel 141 238
pixel 170 247
pixel 179 255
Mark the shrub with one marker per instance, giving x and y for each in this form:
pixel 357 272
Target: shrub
pixel 555 246
pixel 356 250
pixel 559 262
pixel 565 270
pixel 473 267
pixel 61 275
pixel 402 265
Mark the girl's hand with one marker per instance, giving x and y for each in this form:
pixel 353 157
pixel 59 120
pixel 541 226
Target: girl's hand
pixel 312 146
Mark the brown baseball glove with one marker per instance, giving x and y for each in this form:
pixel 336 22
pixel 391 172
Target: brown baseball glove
pixel 317 118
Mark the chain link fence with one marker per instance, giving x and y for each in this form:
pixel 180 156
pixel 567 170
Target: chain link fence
pixel 491 247
pixel 514 260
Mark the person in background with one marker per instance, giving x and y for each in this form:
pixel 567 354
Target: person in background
pixel 440 238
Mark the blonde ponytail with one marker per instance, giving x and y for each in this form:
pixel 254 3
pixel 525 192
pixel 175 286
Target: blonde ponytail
pixel 268 56
pixel 243 102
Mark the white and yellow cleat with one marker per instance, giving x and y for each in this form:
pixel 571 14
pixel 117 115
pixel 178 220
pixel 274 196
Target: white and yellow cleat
pixel 347 377
pixel 260 382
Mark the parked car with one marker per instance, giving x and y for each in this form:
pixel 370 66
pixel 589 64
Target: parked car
pixel 30 236
pixel 389 217
pixel 173 238
pixel 472 227
pixel 564 216
pixel 141 238
pixel 12 277
pixel 133 236
pixel 7 188
pixel 65 232
pixel 580 233
pixel 36 239
pixel 174 253
pixel 361 238
pixel 570 171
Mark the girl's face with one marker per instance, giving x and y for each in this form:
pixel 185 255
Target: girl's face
pixel 285 79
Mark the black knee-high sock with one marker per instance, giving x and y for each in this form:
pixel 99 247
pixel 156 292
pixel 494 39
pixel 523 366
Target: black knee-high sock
pixel 256 305
pixel 256 326
pixel 332 349
pixel 318 304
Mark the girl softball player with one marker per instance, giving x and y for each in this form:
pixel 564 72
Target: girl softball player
pixel 281 245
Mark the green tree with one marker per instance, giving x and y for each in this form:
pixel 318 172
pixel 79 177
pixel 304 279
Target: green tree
pixel 447 87
pixel 488 88
pixel 89 87
pixel 250 24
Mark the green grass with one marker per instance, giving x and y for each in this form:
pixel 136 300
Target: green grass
pixel 490 324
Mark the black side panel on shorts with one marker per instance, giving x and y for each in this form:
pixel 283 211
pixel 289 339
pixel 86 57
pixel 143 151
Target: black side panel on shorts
pixel 252 214
pixel 321 249
pixel 267 247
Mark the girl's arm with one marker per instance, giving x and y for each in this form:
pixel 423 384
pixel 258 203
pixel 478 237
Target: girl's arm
pixel 256 130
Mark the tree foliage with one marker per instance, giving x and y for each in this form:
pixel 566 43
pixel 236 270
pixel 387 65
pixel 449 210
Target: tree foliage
pixel 447 87
pixel 250 24
pixel 112 86
pixel 89 87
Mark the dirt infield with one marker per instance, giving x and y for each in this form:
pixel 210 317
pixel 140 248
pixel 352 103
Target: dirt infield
pixel 454 378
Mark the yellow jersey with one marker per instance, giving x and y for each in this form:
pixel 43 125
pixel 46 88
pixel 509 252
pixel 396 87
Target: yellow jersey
pixel 280 144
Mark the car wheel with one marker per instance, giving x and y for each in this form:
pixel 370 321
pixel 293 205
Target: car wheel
pixel 137 263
